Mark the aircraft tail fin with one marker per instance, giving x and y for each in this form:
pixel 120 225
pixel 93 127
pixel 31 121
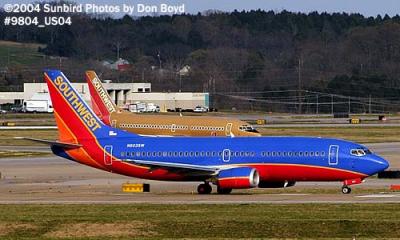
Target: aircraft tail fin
pixel 102 103
pixel 74 118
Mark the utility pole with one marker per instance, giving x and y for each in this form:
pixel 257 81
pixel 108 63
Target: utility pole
pixel 299 86
pixel 369 105
pixel 317 105
pixel 159 58
pixel 349 104
pixel 180 82
pixel 332 104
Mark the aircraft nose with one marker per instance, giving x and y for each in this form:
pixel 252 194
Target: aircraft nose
pixel 379 163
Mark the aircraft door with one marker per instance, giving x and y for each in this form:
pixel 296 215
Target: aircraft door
pixel 173 128
pixel 226 155
pixel 228 129
pixel 108 155
pixel 114 123
pixel 333 154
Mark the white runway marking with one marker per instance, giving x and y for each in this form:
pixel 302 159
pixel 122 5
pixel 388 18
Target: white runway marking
pixel 293 194
pixel 379 196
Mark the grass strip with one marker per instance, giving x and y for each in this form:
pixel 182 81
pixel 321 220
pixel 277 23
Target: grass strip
pixel 366 221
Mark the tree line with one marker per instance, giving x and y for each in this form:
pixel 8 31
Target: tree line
pixel 240 51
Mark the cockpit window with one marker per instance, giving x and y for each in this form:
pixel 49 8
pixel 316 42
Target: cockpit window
pixel 248 128
pixel 359 152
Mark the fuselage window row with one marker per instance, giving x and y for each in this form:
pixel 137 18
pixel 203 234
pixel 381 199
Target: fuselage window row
pixel 168 127
pixel 231 154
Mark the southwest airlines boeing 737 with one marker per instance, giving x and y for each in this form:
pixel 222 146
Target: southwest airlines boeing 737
pixel 144 124
pixel 228 162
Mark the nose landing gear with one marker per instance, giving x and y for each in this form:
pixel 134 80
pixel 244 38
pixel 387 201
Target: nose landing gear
pixel 346 190
pixel 346 183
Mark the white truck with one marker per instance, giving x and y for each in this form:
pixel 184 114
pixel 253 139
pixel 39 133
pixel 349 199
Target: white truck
pixel 40 102
pixel 140 107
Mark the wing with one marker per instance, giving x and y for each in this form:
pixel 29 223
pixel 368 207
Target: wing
pixel 187 169
pixel 52 143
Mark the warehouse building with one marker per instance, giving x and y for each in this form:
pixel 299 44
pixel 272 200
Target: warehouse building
pixel 122 94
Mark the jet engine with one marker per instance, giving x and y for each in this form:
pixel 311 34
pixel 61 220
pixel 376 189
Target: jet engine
pixel 280 184
pixel 235 178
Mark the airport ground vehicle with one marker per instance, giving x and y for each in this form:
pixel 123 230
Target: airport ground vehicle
pixel 40 102
pixel 38 106
pixel 229 163
pixel 151 124
pixel 200 109
pixel 141 107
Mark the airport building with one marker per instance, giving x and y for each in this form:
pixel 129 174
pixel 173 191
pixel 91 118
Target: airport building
pixel 122 93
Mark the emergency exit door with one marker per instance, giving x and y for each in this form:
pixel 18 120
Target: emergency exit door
pixel 108 155
pixel 333 155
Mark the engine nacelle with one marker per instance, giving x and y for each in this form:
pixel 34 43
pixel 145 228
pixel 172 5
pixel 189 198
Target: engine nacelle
pixel 236 178
pixel 282 184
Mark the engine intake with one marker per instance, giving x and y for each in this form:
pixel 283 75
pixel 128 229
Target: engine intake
pixel 236 178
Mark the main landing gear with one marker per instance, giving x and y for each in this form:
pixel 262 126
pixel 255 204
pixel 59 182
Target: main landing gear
pixel 204 188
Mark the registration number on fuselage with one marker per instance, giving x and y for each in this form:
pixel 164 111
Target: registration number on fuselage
pixel 135 145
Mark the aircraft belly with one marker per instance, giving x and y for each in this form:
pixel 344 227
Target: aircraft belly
pixel 298 172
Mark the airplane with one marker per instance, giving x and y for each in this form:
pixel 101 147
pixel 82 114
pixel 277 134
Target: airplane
pixel 145 124
pixel 228 162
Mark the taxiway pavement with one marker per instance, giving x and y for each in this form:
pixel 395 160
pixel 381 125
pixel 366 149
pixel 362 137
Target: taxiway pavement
pixel 54 180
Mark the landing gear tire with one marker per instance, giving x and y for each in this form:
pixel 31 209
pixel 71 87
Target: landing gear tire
pixel 346 190
pixel 204 188
pixel 224 190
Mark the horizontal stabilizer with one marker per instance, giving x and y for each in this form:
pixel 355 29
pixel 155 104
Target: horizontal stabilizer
pixel 52 143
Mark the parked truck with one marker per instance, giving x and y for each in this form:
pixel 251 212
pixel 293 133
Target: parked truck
pixel 39 102
pixel 140 107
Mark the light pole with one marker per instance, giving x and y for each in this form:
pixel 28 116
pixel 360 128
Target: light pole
pixel 159 58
